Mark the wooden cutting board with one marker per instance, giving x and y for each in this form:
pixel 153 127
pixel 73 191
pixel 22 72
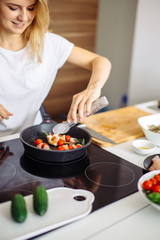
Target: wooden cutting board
pixel 120 125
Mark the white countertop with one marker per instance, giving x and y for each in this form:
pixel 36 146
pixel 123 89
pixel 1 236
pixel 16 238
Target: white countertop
pixel 127 219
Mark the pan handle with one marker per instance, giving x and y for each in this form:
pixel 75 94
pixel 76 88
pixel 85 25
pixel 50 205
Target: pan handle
pixel 45 116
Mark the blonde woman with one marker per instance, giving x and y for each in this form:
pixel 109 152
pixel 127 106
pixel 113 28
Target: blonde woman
pixel 30 57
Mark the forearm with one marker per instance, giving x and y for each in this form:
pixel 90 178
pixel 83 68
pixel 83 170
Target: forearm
pixel 101 68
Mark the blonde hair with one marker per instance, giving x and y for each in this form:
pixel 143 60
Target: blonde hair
pixel 34 34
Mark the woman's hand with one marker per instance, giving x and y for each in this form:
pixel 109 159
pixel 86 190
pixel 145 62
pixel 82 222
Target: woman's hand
pixel 4 114
pixel 100 70
pixel 81 104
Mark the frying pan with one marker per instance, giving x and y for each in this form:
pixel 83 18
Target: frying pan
pixel 30 134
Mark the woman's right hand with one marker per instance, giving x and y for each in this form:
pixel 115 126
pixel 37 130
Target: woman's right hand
pixel 4 114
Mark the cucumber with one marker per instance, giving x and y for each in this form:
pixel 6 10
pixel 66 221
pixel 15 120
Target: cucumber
pixel 18 208
pixel 40 200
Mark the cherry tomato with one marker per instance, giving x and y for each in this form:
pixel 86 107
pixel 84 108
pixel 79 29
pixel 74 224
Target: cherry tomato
pixel 38 141
pixel 60 142
pixel 67 138
pixel 157 178
pixel 78 146
pixel 154 181
pixel 156 188
pixel 43 145
pixel 147 185
pixel 70 147
pixel 61 148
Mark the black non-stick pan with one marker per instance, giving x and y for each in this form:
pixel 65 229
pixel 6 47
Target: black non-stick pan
pixel 30 134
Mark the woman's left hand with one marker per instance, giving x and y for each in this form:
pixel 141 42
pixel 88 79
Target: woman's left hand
pixel 100 69
pixel 81 104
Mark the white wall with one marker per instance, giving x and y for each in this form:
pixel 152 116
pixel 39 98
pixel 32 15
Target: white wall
pixel 144 81
pixel 116 19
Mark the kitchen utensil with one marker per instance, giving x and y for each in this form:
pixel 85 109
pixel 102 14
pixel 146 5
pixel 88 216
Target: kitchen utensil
pixel 143 147
pixel 147 121
pixel 64 127
pixel 30 134
pixel 64 206
pixel 120 125
pixel 145 177
pixel 148 161
pixel 96 134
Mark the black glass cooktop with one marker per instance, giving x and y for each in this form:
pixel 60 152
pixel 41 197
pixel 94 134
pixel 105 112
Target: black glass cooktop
pixel 106 175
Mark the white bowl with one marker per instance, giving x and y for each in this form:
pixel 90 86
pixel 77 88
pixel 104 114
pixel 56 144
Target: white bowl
pixel 145 177
pixel 143 147
pixel 146 121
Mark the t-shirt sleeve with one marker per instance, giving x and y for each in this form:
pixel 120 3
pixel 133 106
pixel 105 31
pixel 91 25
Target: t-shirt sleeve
pixel 60 48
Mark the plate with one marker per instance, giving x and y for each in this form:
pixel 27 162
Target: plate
pixel 65 205
pixel 148 161
pixel 145 177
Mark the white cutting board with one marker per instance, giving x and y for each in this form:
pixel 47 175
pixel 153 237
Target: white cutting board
pixel 62 209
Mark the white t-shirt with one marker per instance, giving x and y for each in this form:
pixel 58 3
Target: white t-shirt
pixel 24 83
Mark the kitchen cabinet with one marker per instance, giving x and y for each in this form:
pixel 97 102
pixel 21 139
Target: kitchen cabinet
pixel 76 21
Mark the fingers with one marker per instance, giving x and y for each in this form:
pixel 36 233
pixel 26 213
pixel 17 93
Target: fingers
pixel 77 109
pixel 4 113
pixel 81 105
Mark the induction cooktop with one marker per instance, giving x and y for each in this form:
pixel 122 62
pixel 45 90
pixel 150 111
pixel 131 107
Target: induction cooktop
pixel 106 175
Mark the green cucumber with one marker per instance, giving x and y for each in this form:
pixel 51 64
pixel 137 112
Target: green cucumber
pixel 18 208
pixel 40 200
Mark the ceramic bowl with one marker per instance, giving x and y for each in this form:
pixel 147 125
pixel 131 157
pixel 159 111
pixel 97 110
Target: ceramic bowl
pixel 143 147
pixel 148 161
pixel 145 177
pixel 147 121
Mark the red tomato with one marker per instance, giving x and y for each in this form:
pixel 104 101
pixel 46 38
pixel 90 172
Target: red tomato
pixel 60 142
pixel 147 185
pixel 67 137
pixel 38 141
pixel 61 148
pixel 154 181
pixel 157 178
pixel 43 145
pixel 70 147
pixel 156 188
pixel 78 146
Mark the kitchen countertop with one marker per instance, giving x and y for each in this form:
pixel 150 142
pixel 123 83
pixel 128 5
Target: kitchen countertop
pixel 129 218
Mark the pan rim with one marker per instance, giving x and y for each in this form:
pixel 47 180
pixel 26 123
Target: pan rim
pixel 59 151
